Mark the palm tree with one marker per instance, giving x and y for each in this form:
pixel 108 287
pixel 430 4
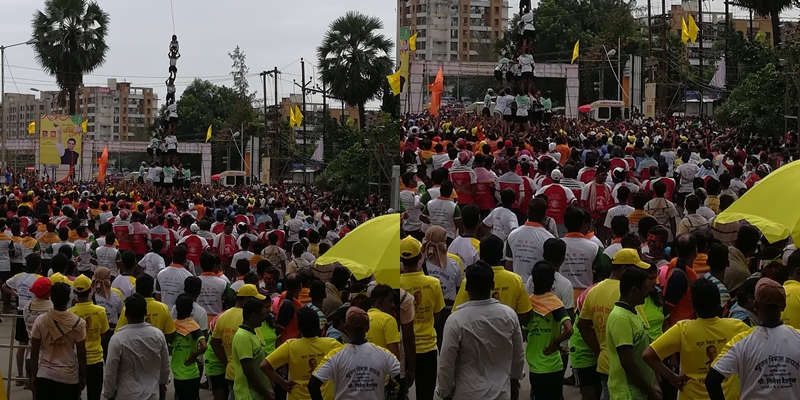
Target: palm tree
pixel 353 59
pixel 71 42
pixel 770 8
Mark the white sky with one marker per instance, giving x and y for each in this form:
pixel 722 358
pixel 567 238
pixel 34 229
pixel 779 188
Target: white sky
pixel 272 33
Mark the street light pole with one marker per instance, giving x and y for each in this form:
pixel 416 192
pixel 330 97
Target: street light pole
pixel 3 140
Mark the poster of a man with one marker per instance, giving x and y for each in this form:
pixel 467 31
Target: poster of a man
pixel 68 155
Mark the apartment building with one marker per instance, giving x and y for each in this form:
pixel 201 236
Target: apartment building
pixel 455 30
pixel 22 109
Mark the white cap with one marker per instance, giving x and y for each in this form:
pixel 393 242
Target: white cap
pixel 524 159
pixel 194 228
pixel 556 175
pixel 552 147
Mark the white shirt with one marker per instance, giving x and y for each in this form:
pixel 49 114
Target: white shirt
pixel 525 247
pixel 123 284
pixel 579 260
pixel 482 350
pixel 169 283
pixel 113 306
pixel 450 278
pixel 502 221
pixel 622 209
pixel 687 172
pixel 106 256
pixel 211 293
pixel 22 283
pixel 442 213
pixel 359 372
pixel 612 249
pixel 198 315
pixel 766 360
pixel 152 264
pixel 462 247
pixel 144 367
pixel 243 255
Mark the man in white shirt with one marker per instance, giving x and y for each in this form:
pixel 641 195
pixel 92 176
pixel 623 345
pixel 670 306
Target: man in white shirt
pixel 216 290
pixel 152 263
pixel 525 244
pixel 466 245
pixel 619 227
pixel 553 254
pixel 685 174
pixel 144 371
pixel 502 220
pixel 622 209
pixel 169 282
pixel 154 174
pixel 443 212
pixel 476 363
pixel 583 255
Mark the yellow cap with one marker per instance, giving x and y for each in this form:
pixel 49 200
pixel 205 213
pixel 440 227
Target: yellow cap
pixel 250 290
pixel 629 257
pixel 82 284
pixel 410 247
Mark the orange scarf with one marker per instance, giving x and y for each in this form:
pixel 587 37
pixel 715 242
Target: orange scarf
pixel 544 304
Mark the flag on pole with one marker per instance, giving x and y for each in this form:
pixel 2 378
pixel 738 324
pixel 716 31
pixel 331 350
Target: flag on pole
pixel 85 125
pixel 693 29
pixel 436 88
pixel 298 116
pixel 394 82
pixel 575 51
pixel 291 117
pixel 208 134
pixel 31 128
pixel 102 164
pixel 684 32
pixel 412 42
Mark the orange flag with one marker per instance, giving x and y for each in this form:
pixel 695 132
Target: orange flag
pixel 436 88
pixel 69 175
pixel 102 163
pixel 479 133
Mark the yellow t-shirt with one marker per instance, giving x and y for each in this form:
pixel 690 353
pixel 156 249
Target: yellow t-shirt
pixel 508 289
pixel 699 341
pixel 383 329
pixel 157 315
pixel 791 315
pixel 596 306
pixel 227 325
pixel 96 326
pixel 428 300
pixel 303 356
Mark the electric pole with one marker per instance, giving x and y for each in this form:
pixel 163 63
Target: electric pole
pixel 324 93
pixel 276 151
pixel 263 75
pixel 305 143
pixel 700 53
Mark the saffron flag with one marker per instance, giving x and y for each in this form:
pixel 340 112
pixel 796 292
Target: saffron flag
pixel 693 29
pixel 291 117
pixel 31 128
pixel 394 82
pixel 298 116
pixel 412 42
pixel 436 88
pixel 208 134
pixel 575 51
pixel 85 125
pixel 684 32
pixel 102 164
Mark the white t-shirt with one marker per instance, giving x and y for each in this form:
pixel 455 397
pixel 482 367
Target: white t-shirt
pixel 152 263
pixel 687 172
pixel 22 283
pixel 450 277
pixel 502 221
pixel 767 361
pixel 462 247
pixel 123 284
pixel 107 257
pixel 578 261
pixel 562 288
pixel 612 249
pixel 169 283
pixel 622 209
pixel 358 372
pixel 524 248
pixel 211 293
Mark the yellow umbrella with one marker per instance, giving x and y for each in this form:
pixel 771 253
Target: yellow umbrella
pixel 771 205
pixel 372 248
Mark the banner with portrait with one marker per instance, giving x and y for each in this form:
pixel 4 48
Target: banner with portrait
pixel 60 139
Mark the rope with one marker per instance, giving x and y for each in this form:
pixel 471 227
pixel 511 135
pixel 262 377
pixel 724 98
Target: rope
pixel 172 11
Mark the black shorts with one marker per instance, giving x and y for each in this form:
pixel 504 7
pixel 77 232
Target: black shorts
pixel 498 75
pixel 21 331
pixel 521 119
pixel 218 382
pixel 158 152
pixel 508 118
pixel 485 112
pixel 150 151
pixel 587 376
pixel 172 152
pixel 527 76
pixel 510 76
pixel 529 34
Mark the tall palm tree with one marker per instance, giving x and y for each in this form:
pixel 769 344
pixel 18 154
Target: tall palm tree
pixel 768 8
pixel 353 59
pixel 71 42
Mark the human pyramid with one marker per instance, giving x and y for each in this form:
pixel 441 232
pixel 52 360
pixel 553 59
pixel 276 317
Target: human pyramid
pixel 166 147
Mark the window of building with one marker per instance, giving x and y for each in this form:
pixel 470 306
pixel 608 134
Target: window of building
pixel 496 34
pixel 466 8
pixel 465 34
pixel 496 22
pixel 464 45
pixel 421 56
pixel 453 57
pixel 116 129
pixel 91 110
pixel 420 20
pixel 453 33
pixel 421 33
pixel 497 10
pixel 454 46
pixel 466 21
pixel 421 45
pixel 454 21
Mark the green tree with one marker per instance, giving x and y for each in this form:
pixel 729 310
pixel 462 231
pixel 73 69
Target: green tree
pixel 70 42
pixel 239 71
pixel 771 8
pixel 353 60
pixel 756 105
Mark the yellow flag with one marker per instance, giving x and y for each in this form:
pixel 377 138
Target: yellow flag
pixel 84 125
pixel 208 134
pixel 394 82
pixel 684 32
pixel 575 51
pixel 298 116
pixel 292 120
pixel 693 29
pixel 412 42
pixel 31 128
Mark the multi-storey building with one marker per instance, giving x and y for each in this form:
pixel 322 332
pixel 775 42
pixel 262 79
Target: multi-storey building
pixel 455 30
pixel 22 109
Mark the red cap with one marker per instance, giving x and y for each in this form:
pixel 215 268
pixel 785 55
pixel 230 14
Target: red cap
pixel 41 288
pixel 508 143
pixel 158 203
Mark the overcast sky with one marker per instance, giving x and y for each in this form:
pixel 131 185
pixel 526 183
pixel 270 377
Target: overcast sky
pixel 274 33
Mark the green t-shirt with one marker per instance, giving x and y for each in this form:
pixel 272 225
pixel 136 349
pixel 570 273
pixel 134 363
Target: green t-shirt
pixel 212 364
pixel 182 348
pixel 541 331
pixel 655 318
pixel 270 337
pixel 247 345
pixel 580 354
pixel 626 328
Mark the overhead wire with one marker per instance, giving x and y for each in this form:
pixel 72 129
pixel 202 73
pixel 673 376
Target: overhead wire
pixel 11 72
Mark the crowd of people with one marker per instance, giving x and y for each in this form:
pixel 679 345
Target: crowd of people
pixel 122 289
pixel 594 245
